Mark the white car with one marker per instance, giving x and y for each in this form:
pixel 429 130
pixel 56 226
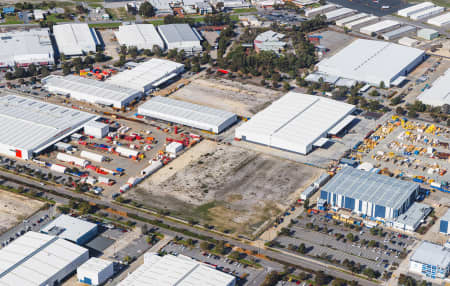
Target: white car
pixel 385 7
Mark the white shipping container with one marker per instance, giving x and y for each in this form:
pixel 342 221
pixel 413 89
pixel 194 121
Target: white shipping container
pixel 124 188
pixel 153 167
pixel 91 180
pixel 126 152
pixel 174 147
pixel 103 180
pixel 436 184
pixel 92 156
pixel 58 168
pixel 72 159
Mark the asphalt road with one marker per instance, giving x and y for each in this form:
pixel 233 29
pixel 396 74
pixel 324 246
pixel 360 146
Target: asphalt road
pixel 290 258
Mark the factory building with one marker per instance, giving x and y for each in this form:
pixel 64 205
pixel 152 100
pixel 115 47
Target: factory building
pixel 95 271
pixel 181 37
pixel 185 113
pixel 90 90
pixel 415 9
pixel 371 62
pixel 427 13
pixel 319 10
pixel 370 194
pixel 297 122
pixel 412 218
pixel 343 21
pixel 170 270
pixel 339 14
pixel 380 27
pixel 72 229
pixel 355 25
pixel 23 48
pixel 269 41
pixel 444 223
pixel 96 129
pixel 441 20
pixel 39 259
pixel 439 92
pixel 430 260
pixel 142 36
pixel 397 33
pixel 75 39
pixel 427 34
pixel 148 75
pixel 30 126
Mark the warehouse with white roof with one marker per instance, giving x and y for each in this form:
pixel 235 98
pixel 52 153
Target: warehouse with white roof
pixel 30 126
pixel 181 37
pixel 296 122
pixel 355 25
pixel 380 27
pixel 170 270
pixel 142 36
pixel 148 75
pixel 441 20
pixel 427 13
pixel 71 228
pixel 339 14
pixel 343 21
pixel 75 39
pixel 90 90
pixel 23 48
pixel 319 10
pixel 189 114
pixel 37 259
pixel 439 92
pixel 371 62
pixel 430 260
pixel 415 8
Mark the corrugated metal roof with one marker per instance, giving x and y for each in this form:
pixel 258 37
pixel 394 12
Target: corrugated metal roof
pixel 371 187
pixel 186 113
pixel 338 13
pixel 370 61
pixel 414 8
pixel 94 264
pixel 446 216
pixel 439 92
pixel 380 26
pixel 31 124
pixel 90 90
pixel 398 32
pixel 352 18
pixel 294 121
pixel 142 36
pixel 432 254
pixel 178 33
pixel 440 20
pixel 146 74
pixel 33 258
pixel 74 39
pixel 171 270
pixel 68 227
pixel 415 213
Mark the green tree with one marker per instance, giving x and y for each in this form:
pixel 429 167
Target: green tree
pixel 204 245
pixel 306 204
pixel 133 51
pixel 286 86
pixel 157 50
pixel 235 255
pixel 146 10
pixel 301 248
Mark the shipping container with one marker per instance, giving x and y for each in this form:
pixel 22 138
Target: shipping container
pixel 127 152
pixel 92 156
pixel 72 159
pixel 58 168
pixel 153 167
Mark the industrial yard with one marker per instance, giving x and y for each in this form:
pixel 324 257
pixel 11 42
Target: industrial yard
pixel 15 208
pixel 244 100
pixel 225 186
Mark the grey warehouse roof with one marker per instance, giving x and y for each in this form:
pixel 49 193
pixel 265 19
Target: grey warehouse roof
pixel 90 90
pixel 178 33
pixel 432 254
pixel 68 227
pixel 34 125
pixel 198 116
pixel 370 187
pixel 446 217
pixel 439 92
pixel 415 213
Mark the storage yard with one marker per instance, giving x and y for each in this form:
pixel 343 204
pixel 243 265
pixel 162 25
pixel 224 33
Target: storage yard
pixel 15 208
pixel 225 186
pixel 243 100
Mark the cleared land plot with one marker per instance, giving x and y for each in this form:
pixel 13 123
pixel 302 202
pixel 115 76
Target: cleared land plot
pixel 242 99
pixel 15 208
pixel 225 186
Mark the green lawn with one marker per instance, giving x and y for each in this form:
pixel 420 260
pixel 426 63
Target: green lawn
pixel 11 20
pixel 54 19
pixel 245 10
pixel 105 25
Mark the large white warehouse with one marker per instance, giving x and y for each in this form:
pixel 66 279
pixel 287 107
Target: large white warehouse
pixel 30 126
pixel 188 114
pixel 427 13
pixel 371 62
pixel 23 48
pixel 181 37
pixel 148 75
pixel 295 122
pixel 37 259
pixel 441 20
pixel 380 27
pixel 439 92
pixel 90 90
pixel 75 39
pixel 142 36
pixel 415 8
pixel 178 270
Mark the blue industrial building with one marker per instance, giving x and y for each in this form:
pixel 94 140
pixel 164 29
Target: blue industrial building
pixel 369 194
pixel 443 223
pixel 431 260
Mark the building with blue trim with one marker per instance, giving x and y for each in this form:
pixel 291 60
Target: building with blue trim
pixel 431 260
pixel 369 194
pixel 443 223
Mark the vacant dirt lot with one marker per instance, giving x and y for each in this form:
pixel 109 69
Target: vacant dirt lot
pixel 242 99
pixel 226 186
pixel 14 208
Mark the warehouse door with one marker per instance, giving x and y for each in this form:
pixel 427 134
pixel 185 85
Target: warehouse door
pixel 18 153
